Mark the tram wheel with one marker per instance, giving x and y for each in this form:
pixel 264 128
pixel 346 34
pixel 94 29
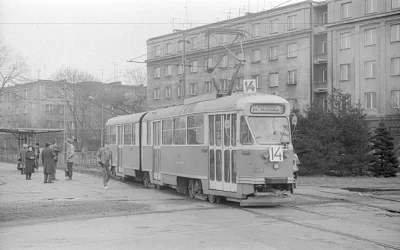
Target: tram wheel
pixel 192 188
pixel 146 180
pixel 214 198
pixel 158 187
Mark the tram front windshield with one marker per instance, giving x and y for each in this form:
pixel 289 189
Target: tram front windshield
pixel 270 129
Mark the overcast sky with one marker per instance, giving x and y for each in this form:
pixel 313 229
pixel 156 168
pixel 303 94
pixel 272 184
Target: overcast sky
pixel 99 36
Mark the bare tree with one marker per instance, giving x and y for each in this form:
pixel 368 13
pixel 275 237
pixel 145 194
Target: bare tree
pixel 136 76
pixel 13 67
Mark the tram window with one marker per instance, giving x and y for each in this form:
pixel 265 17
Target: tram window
pixel 233 130
pixel 212 165
pixel 218 135
pixel 227 166
pixel 233 166
pixel 227 130
pixel 113 135
pixel 128 134
pixel 270 129
pixel 134 134
pixel 218 164
pixel 167 132
pixel 245 135
pixel 195 129
pixel 211 129
pixel 108 133
pixel 179 131
pixel 148 133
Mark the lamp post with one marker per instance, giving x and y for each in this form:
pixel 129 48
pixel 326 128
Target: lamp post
pixel 102 120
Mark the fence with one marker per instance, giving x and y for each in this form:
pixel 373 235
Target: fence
pixel 87 159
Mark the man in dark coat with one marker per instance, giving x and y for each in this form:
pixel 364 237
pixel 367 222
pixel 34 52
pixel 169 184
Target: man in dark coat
pixel 48 163
pixel 55 149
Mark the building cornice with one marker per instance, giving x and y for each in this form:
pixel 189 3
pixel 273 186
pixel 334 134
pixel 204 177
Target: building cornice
pixel 362 19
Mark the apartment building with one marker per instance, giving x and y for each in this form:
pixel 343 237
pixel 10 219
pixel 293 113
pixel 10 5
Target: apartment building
pixel 276 49
pixel 364 53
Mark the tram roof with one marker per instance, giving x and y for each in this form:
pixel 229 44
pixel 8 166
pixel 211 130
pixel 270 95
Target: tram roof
pixel 227 103
pixel 123 119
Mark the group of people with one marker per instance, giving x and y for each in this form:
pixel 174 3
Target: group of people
pixel 29 161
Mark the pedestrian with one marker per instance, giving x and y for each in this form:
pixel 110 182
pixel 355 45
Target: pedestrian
pixel 70 159
pixel 29 162
pixel 48 162
pixel 37 153
pixel 55 149
pixel 104 158
pixel 296 162
pixel 22 157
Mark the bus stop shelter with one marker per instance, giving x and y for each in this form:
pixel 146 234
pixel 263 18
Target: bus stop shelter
pixel 27 135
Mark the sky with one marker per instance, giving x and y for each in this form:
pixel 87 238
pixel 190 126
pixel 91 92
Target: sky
pixel 99 36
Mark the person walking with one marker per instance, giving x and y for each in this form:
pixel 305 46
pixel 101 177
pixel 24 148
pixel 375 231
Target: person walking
pixel 55 149
pixel 22 154
pixel 104 158
pixel 37 154
pixel 29 163
pixel 47 156
pixel 70 159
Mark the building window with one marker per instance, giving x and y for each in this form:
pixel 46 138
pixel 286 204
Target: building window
pixel 273 26
pixel 208 87
pixel 273 53
pixel 49 109
pixel 292 77
pixel 209 62
pixel 239 83
pixel 345 72
pixel 325 18
pixel 156 93
pixel 71 125
pixel 168 48
pixel 324 104
pixel 256 56
pixel 224 85
pixel 274 80
pixel 193 89
pixel 61 124
pixel 395 4
pixel 48 91
pixel 157 72
pixel 291 22
pixel 168 92
pixel 179 91
pixel 180 69
pixel 395 33
pixel 324 75
pixel 345 10
pixel 370 6
pixel 193 42
pixel 26 94
pixel 224 62
pixel 370 100
pixel 156 51
pixel 345 40
pixel 256 77
pixel 25 109
pixel 370 69
pixel 292 50
pixel 370 37
pixel 324 47
pixel 193 67
pixel 256 30
pixel 240 56
pixel 395 97
pixel 168 70
pixel 222 38
pixel 395 66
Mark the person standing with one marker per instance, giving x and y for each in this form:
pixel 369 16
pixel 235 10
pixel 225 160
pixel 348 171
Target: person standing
pixel 47 156
pixel 55 149
pixel 22 154
pixel 296 162
pixel 70 159
pixel 37 154
pixel 29 162
pixel 104 158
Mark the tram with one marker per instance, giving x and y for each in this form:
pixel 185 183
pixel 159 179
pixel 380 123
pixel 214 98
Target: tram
pixel 236 147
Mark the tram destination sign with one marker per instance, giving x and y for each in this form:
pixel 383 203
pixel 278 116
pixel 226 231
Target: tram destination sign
pixel 267 109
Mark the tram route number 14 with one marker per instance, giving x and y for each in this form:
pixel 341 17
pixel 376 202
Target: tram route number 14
pixel 249 86
pixel 276 153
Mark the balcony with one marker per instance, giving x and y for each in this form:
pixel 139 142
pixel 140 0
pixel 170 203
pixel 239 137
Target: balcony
pixel 320 87
pixel 320 58
pixel 319 29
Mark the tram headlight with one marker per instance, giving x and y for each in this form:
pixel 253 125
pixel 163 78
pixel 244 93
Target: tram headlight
pixel 276 166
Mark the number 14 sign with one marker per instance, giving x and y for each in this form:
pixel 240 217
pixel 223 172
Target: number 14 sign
pixel 275 153
pixel 249 86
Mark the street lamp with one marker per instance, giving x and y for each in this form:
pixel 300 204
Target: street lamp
pixel 102 119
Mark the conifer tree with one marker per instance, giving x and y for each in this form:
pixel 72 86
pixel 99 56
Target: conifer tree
pixel 384 162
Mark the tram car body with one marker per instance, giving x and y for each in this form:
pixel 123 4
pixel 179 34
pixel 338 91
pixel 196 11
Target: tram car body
pixel 236 147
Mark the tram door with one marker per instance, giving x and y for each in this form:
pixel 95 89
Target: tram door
pixel 222 152
pixel 119 149
pixel 156 150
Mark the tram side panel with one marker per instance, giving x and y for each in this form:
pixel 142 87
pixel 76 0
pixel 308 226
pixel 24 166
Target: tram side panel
pixel 130 160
